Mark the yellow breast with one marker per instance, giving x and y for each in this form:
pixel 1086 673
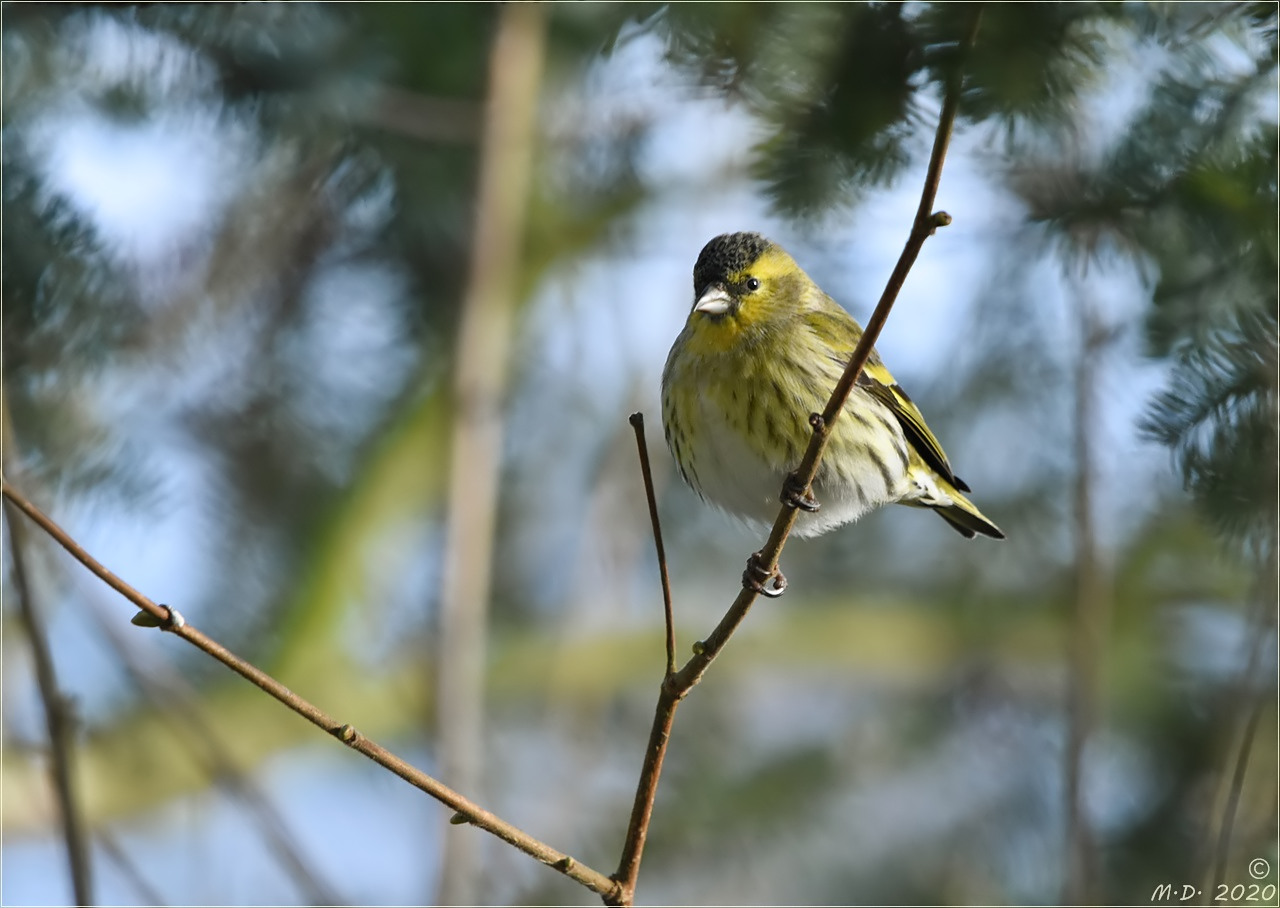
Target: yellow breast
pixel 754 383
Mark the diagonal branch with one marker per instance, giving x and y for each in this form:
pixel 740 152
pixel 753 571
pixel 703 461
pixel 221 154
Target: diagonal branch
pixel 676 686
pixel 169 692
pixel 170 620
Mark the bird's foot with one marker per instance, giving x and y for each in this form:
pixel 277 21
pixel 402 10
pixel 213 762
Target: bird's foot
pixel 759 578
pixel 795 495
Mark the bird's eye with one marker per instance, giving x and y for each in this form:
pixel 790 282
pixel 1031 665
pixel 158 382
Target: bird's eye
pixel 753 283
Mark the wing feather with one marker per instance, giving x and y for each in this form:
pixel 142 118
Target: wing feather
pixel 877 381
pixel 840 334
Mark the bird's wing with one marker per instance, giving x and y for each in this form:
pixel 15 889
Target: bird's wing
pixel 841 333
pixel 877 381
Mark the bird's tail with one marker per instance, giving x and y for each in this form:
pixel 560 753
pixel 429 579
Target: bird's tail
pixel 949 503
pixel 967 520
pixel 946 498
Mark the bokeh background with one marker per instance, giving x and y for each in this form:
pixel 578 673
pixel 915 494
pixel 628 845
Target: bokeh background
pixel 272 272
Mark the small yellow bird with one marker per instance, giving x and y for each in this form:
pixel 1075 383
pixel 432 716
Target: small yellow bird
pixel 762 349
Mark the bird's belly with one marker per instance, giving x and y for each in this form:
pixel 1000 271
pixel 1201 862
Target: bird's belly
pixel 731 474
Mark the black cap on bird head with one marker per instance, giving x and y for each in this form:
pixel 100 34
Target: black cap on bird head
pixel 726 256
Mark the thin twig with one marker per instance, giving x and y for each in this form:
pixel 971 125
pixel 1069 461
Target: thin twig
pixel 57 708
pixel 170 693
pixel 676 686
pixel 637 423
pixel 646 793
pixel 466 810
pixel 668 699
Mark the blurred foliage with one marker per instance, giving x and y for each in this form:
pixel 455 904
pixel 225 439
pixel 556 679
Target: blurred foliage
pixel 1219 417
pixel 276 364
pixel 1189 192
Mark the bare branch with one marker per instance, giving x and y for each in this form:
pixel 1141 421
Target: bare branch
pixel 646 792
pixel 668 699
pixel 637 423
pixel 925 223
pixel 171 621
pixel 169 692
pixel 676 686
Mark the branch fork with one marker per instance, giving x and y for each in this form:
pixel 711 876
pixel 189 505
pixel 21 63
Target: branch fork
pixel 762 577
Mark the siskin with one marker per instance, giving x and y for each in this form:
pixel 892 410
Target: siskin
pixel 761 350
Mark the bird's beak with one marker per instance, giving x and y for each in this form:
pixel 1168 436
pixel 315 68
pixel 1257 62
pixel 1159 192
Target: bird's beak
pixel 714 301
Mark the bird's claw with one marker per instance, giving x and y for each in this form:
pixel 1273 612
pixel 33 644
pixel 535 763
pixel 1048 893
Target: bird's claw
pixel 758 578
pixel 795 495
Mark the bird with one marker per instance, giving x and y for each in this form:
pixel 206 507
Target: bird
pixel 761 350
